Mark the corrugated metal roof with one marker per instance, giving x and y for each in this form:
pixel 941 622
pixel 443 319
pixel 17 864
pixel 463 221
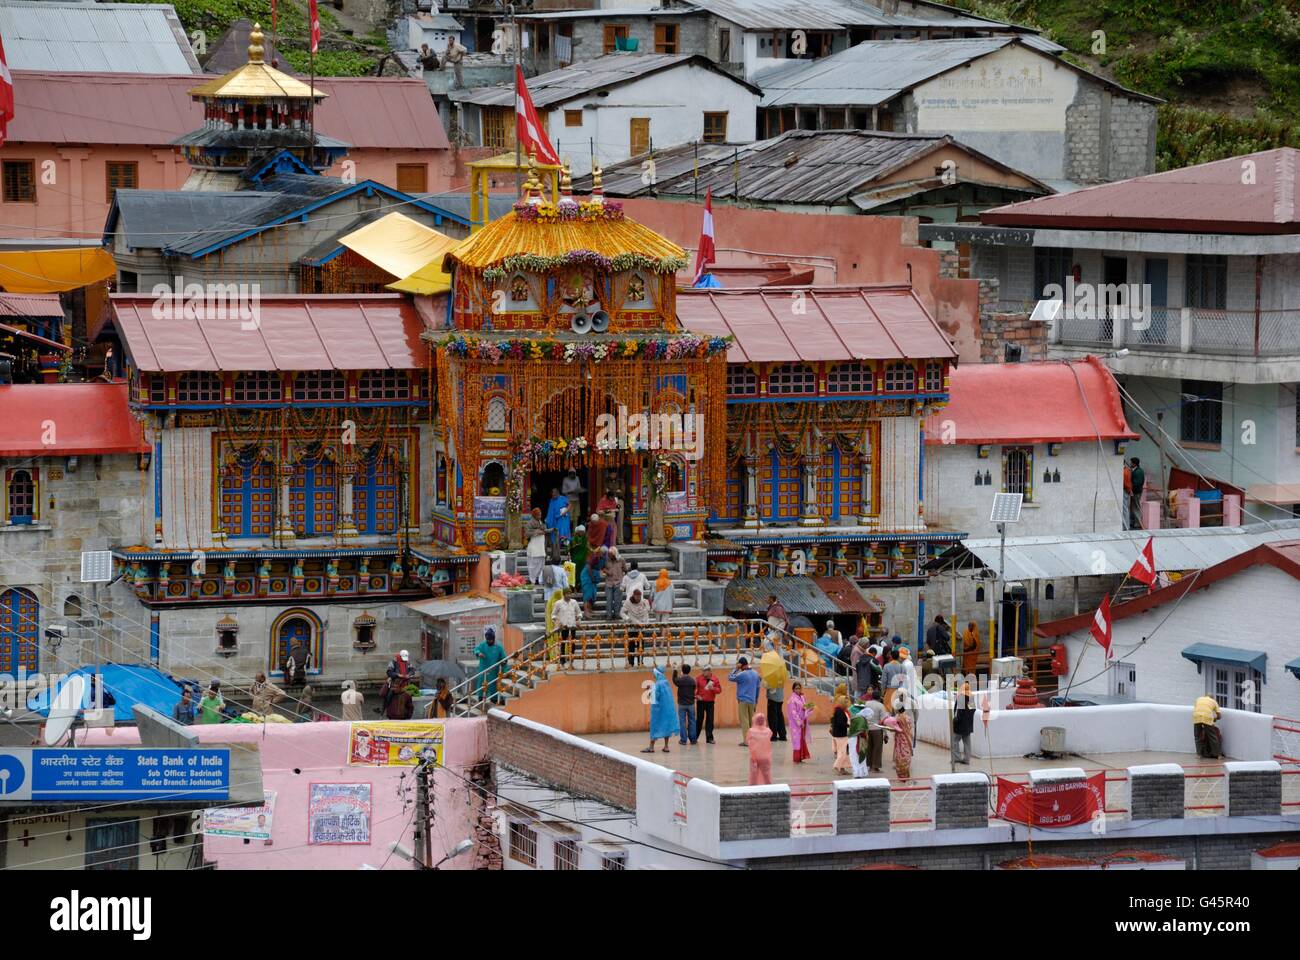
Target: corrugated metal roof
pixel 613 12
pixel 840 323
pixel 97 108
pixel 1009 403
pixel 1101 554
pixel 457 203
pixel 809 15
pixel 580 79
pixel 101 37
pixel 797 595
pixel 845 593
pixel 293 332
pixel 1209 197
pixel 231 50
pixel 30 305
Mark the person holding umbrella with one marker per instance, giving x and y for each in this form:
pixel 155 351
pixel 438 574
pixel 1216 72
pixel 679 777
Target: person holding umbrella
pixel 774 674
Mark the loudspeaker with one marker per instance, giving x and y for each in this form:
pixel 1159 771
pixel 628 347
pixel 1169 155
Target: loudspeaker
pixel 599 321
pixel 581 323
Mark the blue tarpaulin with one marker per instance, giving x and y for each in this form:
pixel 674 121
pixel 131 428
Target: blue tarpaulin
pixel 708 282
pixel 128 686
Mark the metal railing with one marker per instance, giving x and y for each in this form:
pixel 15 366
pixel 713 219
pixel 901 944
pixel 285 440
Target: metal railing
pixel 1237 333
pixel 910 806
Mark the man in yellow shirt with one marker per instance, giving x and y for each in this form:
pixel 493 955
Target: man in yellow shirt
pixel 1209 742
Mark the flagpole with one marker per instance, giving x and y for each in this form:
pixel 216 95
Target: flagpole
pixel 514 38
pixel 1088 637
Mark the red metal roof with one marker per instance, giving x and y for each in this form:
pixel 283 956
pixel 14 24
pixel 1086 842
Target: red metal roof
pixel 77 418
pixel 291 332
pixel 154 109
pixel 1030 403
pixel 1281 850
pixel 1283 554
pixel 30 305
pixel 845 594
pixel 885 322
pixel 1215 197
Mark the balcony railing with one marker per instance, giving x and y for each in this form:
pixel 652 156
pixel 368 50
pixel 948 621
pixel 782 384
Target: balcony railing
pixel 1236 333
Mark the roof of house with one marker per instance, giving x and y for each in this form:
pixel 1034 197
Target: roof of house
pixel 580 79
pixel 657 12
pixel 154 110
pixel 877 71
pixel 195 223
pixel 92 418
pixel 1284 555
pixel 292 332
pixel 1215 197
pixel 822 15
pixel 104 37
pixel 799 166
pixel 1043 402
pixel 30 305
pixel 884 322
pixel 457 202
pixel 231 50
pixel 798 594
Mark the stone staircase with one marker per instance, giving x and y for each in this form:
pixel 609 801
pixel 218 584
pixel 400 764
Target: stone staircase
pixel 650 560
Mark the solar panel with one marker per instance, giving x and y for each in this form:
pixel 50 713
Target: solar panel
pixel 1006 507
pixel 97 566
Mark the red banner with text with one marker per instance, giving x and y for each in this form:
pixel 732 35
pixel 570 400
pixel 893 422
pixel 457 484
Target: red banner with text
pixel 1061 804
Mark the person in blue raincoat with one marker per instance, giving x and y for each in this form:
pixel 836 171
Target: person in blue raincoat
pixel 490 654
pixel 663 712
pixel 557 517
pixel 828 648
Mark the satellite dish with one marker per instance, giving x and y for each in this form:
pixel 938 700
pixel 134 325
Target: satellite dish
pixel 64 709
pixel 581 323
pixel 599 321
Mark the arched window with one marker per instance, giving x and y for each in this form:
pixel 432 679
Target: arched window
pixel 792 378
pixel 440 481
pixel 374 492
pixel 900 377
pixel 494 480
pixel 288 628
pixel 72 607
pixel 637 296
pixel 498 420
pixel 1018 471
pixel 20 496
pixel 198 387
pixel 850 378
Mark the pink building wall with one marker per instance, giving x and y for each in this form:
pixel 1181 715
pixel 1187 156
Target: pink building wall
pixel 842 248
pixel 299 754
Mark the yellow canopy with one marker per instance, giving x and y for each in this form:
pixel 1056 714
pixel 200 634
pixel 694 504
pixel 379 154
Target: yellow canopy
pixel 54 271
pixel 426 281
pixel 397 244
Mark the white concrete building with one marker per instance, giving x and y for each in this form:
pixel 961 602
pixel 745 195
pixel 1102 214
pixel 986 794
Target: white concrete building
pixel 617 107
pixel 1050 431
pixel 1225 631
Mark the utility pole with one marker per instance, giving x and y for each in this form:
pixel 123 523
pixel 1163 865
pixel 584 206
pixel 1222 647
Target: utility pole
pixel 423 817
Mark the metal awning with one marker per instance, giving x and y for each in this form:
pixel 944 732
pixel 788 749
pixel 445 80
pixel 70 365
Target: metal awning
pixel 1199 653
pixel 798 594
pixel 1294 667
pixel 844 592
pixel 440 608
pixel 1105 554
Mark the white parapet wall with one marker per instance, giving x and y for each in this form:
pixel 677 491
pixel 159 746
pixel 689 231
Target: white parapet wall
pixel 1121 728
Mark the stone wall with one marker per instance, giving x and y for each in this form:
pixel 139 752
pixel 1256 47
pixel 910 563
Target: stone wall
pixel 564 763
pixel 754 813
pixel 997 329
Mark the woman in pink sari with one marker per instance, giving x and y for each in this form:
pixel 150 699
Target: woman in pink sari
pixel 759 741
pixel 902 744
pixel 797 712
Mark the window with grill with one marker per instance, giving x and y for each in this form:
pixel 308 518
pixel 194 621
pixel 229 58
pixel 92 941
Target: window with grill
pixel 497 419
pixel 498 128
pixel 523 843
pixel 19 181
pixel 741 381
pixel 264 386
pixel 1051 265
pixel 123 175
pixel 320 385
pixel 1207 282
pixel 383 385
pixel 198 387
pixel 157 388
pixel 573 118
pixel 933 376
pixel 665 38
pixel 413 177
pixel 1018 471
pixel 1233 687
pixel 614 861
pixel 1202 413
pixel 850 378
pixel 900 377
pixel 715 127
pixel 566 854
pixel 21 497
pixel 792 378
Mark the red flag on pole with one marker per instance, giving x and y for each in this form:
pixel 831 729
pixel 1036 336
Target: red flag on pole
pixel 315 26
pixel 6 94
pixel 1144 567
pixel 528 127
pixel 1101 626
pixel 706 253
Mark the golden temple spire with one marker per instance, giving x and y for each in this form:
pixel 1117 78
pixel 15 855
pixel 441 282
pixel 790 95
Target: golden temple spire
pixel 255 48
pixel 566 180
pixel 597 188
pixel 533 185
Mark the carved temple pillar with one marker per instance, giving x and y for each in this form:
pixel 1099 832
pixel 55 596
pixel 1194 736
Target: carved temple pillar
pixel 866 507
pixel 284 532
pixel 347 528
pixel 812 461
pixel 751 492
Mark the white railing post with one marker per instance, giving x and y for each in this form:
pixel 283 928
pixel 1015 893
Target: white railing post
pixel 1185 330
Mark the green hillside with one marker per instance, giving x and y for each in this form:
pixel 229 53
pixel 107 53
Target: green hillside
pixel 1230 69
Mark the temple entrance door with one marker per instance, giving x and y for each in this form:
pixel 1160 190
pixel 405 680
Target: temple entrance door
pixel 542 482
pixel 617 481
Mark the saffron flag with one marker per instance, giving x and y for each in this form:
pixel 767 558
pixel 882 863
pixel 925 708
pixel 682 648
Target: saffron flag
pixel 706 253
pixel 1144 567
pixel 528 128
pixel 1052 804
pixel 315 26
pixel 1101 627
pixel 6 94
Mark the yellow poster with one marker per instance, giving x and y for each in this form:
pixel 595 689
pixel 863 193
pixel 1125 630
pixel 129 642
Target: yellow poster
pixel 394 743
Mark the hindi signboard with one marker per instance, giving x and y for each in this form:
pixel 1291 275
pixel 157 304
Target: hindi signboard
pixel 394 743
pixel 60 774
pixel 338 813
pixel 250 823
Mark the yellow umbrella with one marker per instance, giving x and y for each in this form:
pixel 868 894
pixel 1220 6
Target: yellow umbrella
pixel 772 670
